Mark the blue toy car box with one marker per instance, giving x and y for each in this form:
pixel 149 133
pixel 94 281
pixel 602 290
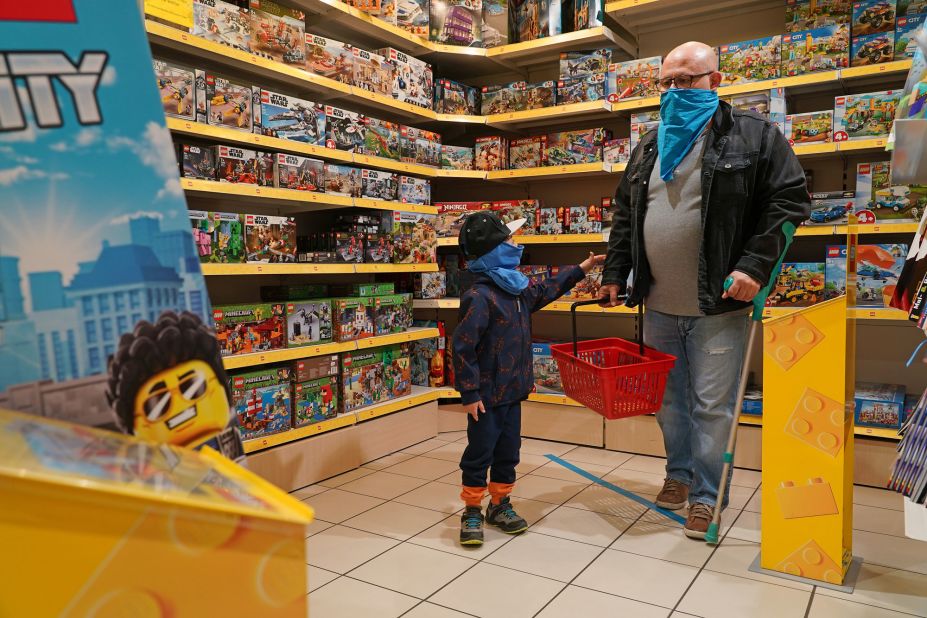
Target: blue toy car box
pixel 879 405
pixel 831 208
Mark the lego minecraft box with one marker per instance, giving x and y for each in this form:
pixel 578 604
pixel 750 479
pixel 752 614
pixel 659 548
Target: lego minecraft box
pixel 354 318
pixel 222 22
pixel 865 116
pixel 329 58
pixel 261 401
pixel 315 367
pixel 219 236
pixel 430 285
pixel 308 322
pixel 228 103
pixel 397 370
pixel 299 173
pixel 750 61
pixel 315 401
pixel 362 379
pixel 392 313
pixel 287 117
pixel 244 329
pixel 270 239
pixel 634 79
pixel 415 240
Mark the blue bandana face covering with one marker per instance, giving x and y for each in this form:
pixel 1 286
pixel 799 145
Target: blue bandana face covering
pixel 684 112
pixel 499 265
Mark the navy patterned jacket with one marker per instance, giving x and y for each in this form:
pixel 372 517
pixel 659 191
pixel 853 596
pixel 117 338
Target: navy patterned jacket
pixel 492 342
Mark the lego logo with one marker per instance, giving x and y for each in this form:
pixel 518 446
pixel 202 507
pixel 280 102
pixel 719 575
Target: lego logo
pixel 833 252
pixel 249 219
pixel 49 10
pixel 902 21
pixel 239 382
pixel 724 49
pixel 289 307
pixel 840 101
pixel 865 169
pixel 217 315
pixel 223 151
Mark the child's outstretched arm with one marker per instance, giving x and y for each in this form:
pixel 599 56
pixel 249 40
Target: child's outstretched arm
pixel 542 294
pixel 474 319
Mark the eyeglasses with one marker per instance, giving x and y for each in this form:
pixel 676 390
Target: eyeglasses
pixel 680 81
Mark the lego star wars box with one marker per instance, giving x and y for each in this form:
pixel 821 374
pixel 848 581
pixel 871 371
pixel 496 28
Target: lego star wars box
pixel 871 16
pixel 810 128
pixel 750 61
pixel 634 79
pixel 392 313
pixel 804 15
pixel 831 208
pixel 372 72
pixel 329 58
pixel 583 219
pixel 361 379
pixel 270 239
pixel 641 124
pixel 540 95
pixel 349 247
pixel 299 173
pixel 878 201
pixel 495 28
pixel 379 185
pixel 617 151
pixel 550 220
pixel 278 32
pixel 865 116
pixel 235 164
pixel 177 89
pixel 872 49
pixel 243 329
pixel 381 139
pixel 412 79
pixel 545 369
pixel 378 248
pixel 573 147
pixel 344 130
pixel 222 22
pixel 491 153
pixel 287 117
pixel 451 216
pixel 512 210
pixel 412 16
pixel 414 190
pixel 381 9
pixel 582 89
pixel 414 238
pixel 228 103
pixel 343 180
pixel 456 98
pixel 353 318
pixel 820 49
pixel 457 22
pixel 219 237
pixel 265 165
pixel 261 401
pixel 879 405
pixel 197 162
pixel 315 401
pixel 584 63
pixel 308 322
pixel 314 367
pixel 397 371
pixel 428 148
pixel 905 45
pixel 798 284
pixel 527 152
pixel 456 157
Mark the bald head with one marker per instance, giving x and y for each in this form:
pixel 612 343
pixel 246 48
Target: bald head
pixel 693 58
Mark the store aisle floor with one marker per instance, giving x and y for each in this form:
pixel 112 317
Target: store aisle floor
pixel 384 545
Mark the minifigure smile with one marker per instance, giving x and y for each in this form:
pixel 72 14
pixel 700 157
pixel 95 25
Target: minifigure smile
pixel 181 417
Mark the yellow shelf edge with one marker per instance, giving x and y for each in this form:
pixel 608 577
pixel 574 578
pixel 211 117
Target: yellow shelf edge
pixel 816 230
pixel 461 118
pixel 877 313
pixel 257 359
pixel 299 433
pixel 477 174
pixel 804 150
pixel 627 105
pixel 397 405
pixel 863 144
pixel 436 303
pixel 296 268
pixel 561 400
pixel 545 113
pixel 363 202
pixel 413 334
pixel 885 228
pixel 876 432
pixel 552 171
pixel 624 5
pixel 876 69
pixel 215 188
pixel 395 268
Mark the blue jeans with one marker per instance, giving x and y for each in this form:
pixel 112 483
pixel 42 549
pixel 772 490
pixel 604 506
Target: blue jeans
pixel 701 391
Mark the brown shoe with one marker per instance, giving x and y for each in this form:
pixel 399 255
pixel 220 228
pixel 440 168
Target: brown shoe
pixel 673 496
pixel 699 518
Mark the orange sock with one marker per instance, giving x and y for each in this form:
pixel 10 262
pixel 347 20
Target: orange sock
pixel 499 491
pixel 472 496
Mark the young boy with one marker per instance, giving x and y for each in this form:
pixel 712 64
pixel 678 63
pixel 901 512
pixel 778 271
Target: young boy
pixel 493 364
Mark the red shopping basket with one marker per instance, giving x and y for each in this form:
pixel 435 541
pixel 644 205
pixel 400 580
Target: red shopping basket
pixel 614 377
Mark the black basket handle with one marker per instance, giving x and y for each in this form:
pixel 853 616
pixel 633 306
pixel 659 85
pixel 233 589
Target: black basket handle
pixel 639 330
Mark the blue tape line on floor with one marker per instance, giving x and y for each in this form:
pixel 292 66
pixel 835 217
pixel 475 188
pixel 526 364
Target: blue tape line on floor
pixel 618 490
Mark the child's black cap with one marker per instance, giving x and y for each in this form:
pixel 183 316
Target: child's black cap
pixel 483 231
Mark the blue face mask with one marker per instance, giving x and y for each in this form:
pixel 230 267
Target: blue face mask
pixel 684 112
pixel 499 265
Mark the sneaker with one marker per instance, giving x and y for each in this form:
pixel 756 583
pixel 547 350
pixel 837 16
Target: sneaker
pixel 700 516
pixel 471 526
pixel 504 517
pixel 673 496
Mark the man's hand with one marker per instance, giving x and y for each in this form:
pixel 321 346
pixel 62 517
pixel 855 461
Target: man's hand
pixel 745 288
pixel 591 262
pixel 608 294
pixel 475 409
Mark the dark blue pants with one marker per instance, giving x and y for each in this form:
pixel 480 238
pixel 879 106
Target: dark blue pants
pixel 493 444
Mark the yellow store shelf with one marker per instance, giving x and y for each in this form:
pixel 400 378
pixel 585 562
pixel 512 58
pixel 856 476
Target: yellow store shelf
pixel 804 150
pixel 473 174
pixel 224 190
pixel 635 105
pixel 259 444
pixel 877 432
pixel 460 118
pixel 360 202
pixel 574 112
pixel 395 268
pixel 778 312
pixel 542 239
pixel 419 396
pixel 886 68
pixel 436 303
pixel 864 313
pixel 412 334
pixel 885 228
pixel 561 400
pixel 564 305
pixel 278 269
pixel 550 173
pixel 817 230
pixel 394 166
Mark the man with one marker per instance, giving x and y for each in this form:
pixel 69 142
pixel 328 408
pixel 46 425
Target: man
pixel 704 198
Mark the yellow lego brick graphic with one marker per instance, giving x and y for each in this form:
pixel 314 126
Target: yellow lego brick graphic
pixel 788 340
pixel 812 562
pixel 818 421
pixel 814 499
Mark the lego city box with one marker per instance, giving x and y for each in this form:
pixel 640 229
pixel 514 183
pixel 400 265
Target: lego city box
pixel 804 15
pixel 362 379
pixel 197 162
pixel 392 313
pixel 372 72
pixel 456 22
pixel 831 208
pixel 397 370
pixel 820 49
pixel 865 116
pixel 278 32
pixel 574 147
pixel 222 22
pixel 379 185
pixel 228 103
pixel 414 190
pixel 750 61
pixel 354 318
pixel 513 210
pixel 299 173
pixel 546 372
pixel 262 401
pixel 879 405
pixel 287 117
pixel 634 79
pixel 344 130
pixel 219 236
pixel 878 268
pixel 798 284
pixel 905 44
pixel 456 157
pixel 315 367
pixel 237 165
pixel 270 239
pixel 879 201
pixel 430 285
pixel 177 88
pixel 835 271
pixel 315 401
pixel 810 128
pixel 872 49
pixel 244 329
pixel 308 322
pixel 871 16
pixel 329 58
pixel 451 215
pixel 381 139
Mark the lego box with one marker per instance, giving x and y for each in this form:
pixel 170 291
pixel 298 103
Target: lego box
pixel 540 95
pixel 379 185
pixel 378 248
pixel 879 405
pixel 430 285
pixel 414 190
pixel 634 79
pixel 244 329
pixel 262 402
pixel 527 152
pixel 456 98
pixel 905 45
pixel 871 16
pixel 641 124
pixel 228 103
pixel 412 79
pixel 750 61
pixel 617 151
pixel 343 180
pixel 428 357
pixel 329 58
pixel 235 164
pixel 414 238
pixel 831 208
pixel 315 401
pixel 769 104
pixel 808 14
pixel 372 72
pixel 315 367
pixel 344 130
pixel 799 284
pixel 381 139
pixel 177 89
pixel 878 268
pixel 222 22
pixel 285 293
pixel 451 217
pixel 349 247
pixel 397 370
pixel 392 313
pixel 353 318
pixel 278 32
pixel 501 99
pixel 286 117
pixel 545 369
pixel 878 201
pixel 457 22
pixel 588 288
pixel 381 9
pixel 219 236
pixel 299 173
pixel 412 16
pixel 308 322
pixel 820 49
pixel 428 148
pixel 573 147
pixel 270 239
pixel 495 30
pixel 536 19
pixel 490 153
pixel 582 89
pixel 550 220
pixel 583 219
pixel 584 63
pixel 512 210
pixel 872 49
pixel 835 272
pixel 361 379
pixel 265 164
pixel 865 116
pixel 456 157
pixel 811 128
pixel 197 162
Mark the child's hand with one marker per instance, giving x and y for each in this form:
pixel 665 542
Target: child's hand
pixel 474 409
pixel 591 262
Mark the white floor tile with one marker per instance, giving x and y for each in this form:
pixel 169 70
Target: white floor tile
pixel 347 477
pixel 395 520
pixel 454 478
pixel 435 496
pixel 734 557
pixel 829 607
pixel 452 436
pixel 639 578
pixel 723 596
pixel 424 467
pixel 336 505
pixel 636 481
pixel 532 510
pixel 881 521
pixel 412 569
pixel 573 602
pixel 891 551
pixel 448 452
pixel 445 536
pixel 544 447
pixel 430 610
pixel 348 597
pixel 745 528
pixel 755 504
pixel 389 460
pixel 530 463
pixel 553 470
pixel 586 454
pixel 308 492
pixel 424 447
pixel 881 498
pixel 555 491
pixel 663 543
pixel 316 577
pixel 901 591
pixel 341 549
pixel 583 526
pixel 489 591
pixel 317 526
pixel 602 500
pixel 739 496
pixel 746 478
pixel 383 485
pixel 643 463
pixel 544 555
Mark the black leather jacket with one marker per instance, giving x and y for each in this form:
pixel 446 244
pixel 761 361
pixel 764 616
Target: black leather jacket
pixel 752 183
